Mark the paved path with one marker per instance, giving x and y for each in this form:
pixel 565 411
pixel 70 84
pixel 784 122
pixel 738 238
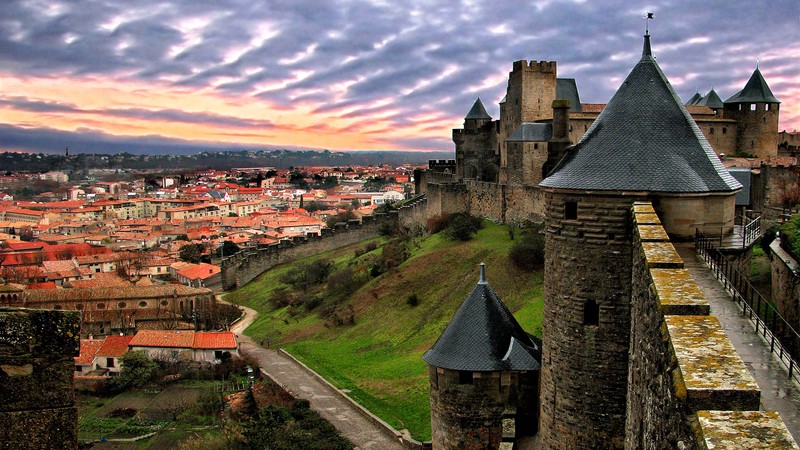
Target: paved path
pixel 778 392
pixel 363 433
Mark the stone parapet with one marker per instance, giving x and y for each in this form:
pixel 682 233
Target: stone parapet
pixel 690 388
pixel 36 386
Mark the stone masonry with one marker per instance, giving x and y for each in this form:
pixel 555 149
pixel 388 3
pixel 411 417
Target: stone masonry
pixel 36 387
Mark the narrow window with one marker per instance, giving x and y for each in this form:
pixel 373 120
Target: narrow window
pixel 464 377
pixel 712 131
pixel 753 107
pixel 591 313
pixel 535 146
pixel 109 362
pixel 724 130
pixel 571 210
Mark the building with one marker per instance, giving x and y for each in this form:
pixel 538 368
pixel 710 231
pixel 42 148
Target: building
pixel 203 347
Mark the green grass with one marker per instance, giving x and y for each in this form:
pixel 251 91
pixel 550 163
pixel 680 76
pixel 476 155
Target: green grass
pixel 379 358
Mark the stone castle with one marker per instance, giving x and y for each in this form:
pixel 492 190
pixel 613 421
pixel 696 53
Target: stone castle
pixel 623 361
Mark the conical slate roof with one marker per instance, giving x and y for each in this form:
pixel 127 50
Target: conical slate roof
pixel 694 99
pixel 755 91
pixel 643 141
pixel 483 336
pixel 711 100
pixel 478 111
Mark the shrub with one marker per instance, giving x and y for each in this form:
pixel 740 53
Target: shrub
pixel 528 253
pixel 370 247
pixel 394 253
pixel 463 227
pixel 412 300
pixel 790 235
pixel 437 223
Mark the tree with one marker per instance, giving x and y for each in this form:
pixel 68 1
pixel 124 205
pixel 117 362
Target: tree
pixel 228 248
pixel 137 370
pixel 463 226
pixel 528 253
pixel 192 253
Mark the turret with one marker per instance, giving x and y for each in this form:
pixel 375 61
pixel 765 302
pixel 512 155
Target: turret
pixel 482 366
pixel 477 116
pixel 756 112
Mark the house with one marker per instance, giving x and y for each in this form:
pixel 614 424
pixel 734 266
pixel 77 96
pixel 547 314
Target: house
pixel 205 347
pixel 200 275
pixel 84 362
pixel 109 356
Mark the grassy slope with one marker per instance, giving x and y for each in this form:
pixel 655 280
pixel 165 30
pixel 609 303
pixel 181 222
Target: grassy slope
pixel 379 359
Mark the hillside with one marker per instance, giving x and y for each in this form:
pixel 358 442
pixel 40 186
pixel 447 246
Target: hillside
pixel 379 358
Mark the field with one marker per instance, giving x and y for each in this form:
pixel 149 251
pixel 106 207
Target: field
pixel 378 359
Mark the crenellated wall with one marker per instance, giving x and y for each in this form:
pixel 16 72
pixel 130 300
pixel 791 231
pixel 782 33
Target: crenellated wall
pixel 243 267
pixel 687 385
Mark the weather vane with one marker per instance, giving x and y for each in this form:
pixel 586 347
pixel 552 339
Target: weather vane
pixel 647 18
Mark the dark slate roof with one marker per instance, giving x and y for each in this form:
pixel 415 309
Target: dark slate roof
pixel 503 100
pixel 531 132
pixel 484 336
pixel 711 100
pixel 566 89
pixel 742 175
pixel 695 98
pixel 478 111
pixel 755 91
pixel 644 140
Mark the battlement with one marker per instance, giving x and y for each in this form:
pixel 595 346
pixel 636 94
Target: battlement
pixel 535 66
pixel 687 382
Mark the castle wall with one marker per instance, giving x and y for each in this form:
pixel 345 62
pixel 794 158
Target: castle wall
pixel 243 267
pixel 681 214
pixel 36 366
pixel 584 362
pixel 785 284
pixel 721 134
pixel 756 131
pixel 771 188
pixel 688 388
pixel 468 408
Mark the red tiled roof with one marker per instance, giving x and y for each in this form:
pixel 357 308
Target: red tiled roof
pixel 199 271
pixel 163 338
pixel 43 285
pixel 214 340
pixel 89 348
pixel 114 346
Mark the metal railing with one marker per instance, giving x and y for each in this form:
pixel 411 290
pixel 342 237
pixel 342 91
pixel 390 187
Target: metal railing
pixel 783 339
pixel 751 231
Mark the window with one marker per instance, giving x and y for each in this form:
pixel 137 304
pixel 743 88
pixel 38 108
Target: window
pixel 109 362
pixel 464 377
pixel 571 210
pixel 78 368
pixel 164 303
pixel 724 130
pixel 711 131
pixel 535 146
pixel 142 304
pixel 121 305
pixel 591 313
pixel 218 354
pixel 101 306
pixel 753 107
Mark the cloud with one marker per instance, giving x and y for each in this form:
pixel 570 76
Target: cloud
pixel 384 61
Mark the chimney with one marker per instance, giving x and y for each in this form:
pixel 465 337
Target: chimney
pixel 559 139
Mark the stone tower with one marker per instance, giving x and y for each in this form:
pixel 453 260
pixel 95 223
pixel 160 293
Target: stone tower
pixel 756 112
pixel 483 367
pixel 644 145
pixel 476 157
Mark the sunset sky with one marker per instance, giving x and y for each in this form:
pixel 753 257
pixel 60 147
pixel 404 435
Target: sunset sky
pixel 158 76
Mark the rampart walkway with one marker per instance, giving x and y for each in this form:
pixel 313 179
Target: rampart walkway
pixel 778 392
pixel 344 416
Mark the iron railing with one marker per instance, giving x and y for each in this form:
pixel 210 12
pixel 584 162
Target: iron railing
pixel 751 231
pixel 783 339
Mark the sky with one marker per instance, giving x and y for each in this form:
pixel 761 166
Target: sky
pixel 187 76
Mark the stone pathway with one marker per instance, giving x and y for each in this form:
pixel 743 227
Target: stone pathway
pixel 363 433
pixel 778 392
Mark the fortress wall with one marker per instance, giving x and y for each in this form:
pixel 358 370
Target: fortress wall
pixel 36 367
pixel 243 267
pixel 413 215
pixel 524 204
pixel 785 283
pixel 686 382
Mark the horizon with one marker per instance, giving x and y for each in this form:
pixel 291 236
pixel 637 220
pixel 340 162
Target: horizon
pixel 161 77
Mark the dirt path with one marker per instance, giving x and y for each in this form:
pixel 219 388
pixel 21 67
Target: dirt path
pixel 364 434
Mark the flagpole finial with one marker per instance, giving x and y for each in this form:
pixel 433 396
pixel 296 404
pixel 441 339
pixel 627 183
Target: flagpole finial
pixel 648 16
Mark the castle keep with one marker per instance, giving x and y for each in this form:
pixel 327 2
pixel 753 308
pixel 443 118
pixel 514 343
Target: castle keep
pixel 626 332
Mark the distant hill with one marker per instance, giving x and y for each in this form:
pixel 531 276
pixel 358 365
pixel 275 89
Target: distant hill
pixel 221 160
pixel 379 358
